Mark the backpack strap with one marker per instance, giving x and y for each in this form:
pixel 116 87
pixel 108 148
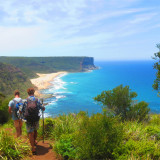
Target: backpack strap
pixel 15 103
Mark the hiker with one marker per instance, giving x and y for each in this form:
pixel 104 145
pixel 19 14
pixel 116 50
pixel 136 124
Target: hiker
pixel 31 110
pixel 13 110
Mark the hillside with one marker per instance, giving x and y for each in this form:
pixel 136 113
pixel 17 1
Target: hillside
pixel 78 136
pixel 12 78
pixel 32 65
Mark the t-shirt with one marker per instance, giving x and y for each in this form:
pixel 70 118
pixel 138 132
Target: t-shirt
pixel 11 104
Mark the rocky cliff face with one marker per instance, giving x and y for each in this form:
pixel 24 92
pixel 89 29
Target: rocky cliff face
pixel 88 64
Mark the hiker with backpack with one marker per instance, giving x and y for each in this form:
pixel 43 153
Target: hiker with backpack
pixel 31 109
pixel 14 106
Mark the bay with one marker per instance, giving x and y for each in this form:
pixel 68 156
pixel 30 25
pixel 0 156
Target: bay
pixel 74 92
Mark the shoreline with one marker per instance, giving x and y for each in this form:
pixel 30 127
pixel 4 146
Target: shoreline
pixel 43 82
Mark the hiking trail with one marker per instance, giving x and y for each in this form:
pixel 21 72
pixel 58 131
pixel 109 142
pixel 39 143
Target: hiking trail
pixel 44 152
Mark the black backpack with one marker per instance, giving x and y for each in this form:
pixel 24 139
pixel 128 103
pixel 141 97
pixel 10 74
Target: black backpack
pixel 17 107
pixel 32 110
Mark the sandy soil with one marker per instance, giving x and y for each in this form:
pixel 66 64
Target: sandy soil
pixel 43 81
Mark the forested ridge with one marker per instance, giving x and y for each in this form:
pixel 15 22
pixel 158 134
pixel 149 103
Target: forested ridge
pixel 12 78
pixel 32 65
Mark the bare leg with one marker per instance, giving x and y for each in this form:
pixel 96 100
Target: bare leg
pixel 35 136
pixel 18 131
pixel 20 123
pixel 18 126
pixel 31 139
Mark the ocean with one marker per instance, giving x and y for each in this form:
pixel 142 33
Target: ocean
pixel 74 92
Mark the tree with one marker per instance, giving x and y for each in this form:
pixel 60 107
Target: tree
pixel 156 84
pixel 158 46
pixel 120 101
pixel 4 115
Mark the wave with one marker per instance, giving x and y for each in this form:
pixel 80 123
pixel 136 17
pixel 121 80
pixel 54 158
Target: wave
pixel 73 82
pixel 57 90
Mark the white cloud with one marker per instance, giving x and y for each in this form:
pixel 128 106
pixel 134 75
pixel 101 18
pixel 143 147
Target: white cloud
pixel 64 24
pixel 143 17
pixel 12 39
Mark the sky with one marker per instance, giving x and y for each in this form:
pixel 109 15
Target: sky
pixel 103 29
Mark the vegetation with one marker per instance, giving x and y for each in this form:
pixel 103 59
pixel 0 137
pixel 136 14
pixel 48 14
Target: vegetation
pixel 4 116
pixel 32 65
pixel 13 78
pixel 124 129
pixel 123 132
pixel 156 84
pixel 78 136
pixel 120 102
pixel 11 148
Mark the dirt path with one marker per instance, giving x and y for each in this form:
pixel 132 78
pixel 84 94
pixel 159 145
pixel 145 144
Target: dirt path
pixel 44 152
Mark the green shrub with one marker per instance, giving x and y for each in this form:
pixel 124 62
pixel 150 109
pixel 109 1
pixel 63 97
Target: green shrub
pixel 97 137
pixel 4 115
pixel 138 149
pixel 154 119
pixel 65 124
pixel 64 146
pixel 48 128
pixel 12 148
pixel 138 112
pixel 153 132
pixel 134 130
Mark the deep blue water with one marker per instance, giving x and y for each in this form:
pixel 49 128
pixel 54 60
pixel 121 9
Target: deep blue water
pixel 74 92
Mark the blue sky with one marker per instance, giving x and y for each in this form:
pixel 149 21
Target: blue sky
pixel 104 29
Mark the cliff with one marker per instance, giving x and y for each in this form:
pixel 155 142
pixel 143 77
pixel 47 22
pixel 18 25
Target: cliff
pixel 32 65
pixel 88 64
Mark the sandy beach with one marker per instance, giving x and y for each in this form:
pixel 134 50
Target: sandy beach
pixel 43 81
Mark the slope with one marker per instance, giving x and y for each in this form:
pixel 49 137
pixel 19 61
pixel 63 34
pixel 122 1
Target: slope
pixel 12 78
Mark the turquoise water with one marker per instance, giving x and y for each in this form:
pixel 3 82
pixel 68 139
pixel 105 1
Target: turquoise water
pixel 74 92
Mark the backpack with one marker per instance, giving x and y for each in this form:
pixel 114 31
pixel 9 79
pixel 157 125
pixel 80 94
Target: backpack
pixel 32 110
pixel 18 107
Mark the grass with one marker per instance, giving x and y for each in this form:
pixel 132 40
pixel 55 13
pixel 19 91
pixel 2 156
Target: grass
pixel 11 147
pixel 78 136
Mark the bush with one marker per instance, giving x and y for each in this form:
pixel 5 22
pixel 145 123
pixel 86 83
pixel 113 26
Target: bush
pixel 141 141
pixel 143 149
pixel 4 115
pixel 97 137
pixel 119 100
pixel 65 124
pixel 48 127
pixel 11 148
pixel 64 146
pixel 154 119
pixel 138 112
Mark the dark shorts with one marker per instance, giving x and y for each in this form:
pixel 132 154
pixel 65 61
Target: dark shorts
pixel 31 127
